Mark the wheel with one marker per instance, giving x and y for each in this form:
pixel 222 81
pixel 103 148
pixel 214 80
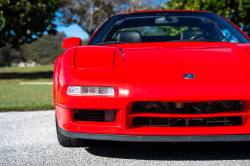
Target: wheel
pixel 69 142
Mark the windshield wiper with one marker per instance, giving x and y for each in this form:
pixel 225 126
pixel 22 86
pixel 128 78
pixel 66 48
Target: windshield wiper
pixel 110 42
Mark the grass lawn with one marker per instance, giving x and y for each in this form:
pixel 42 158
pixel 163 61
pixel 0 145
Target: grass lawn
pixel 43 68
pixel 26 97
pixel 18 80
pixel 15 97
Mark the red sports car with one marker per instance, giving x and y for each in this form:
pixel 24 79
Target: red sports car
pixel 155 76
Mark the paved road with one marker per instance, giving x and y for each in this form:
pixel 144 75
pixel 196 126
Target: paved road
pixel 29 138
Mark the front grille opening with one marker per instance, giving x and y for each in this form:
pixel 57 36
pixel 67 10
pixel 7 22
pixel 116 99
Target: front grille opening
pixel 187 108
pixel 94 115
pixel 187 122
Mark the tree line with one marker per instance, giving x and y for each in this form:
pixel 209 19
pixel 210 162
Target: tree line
pixel 28 27
pixel 43 50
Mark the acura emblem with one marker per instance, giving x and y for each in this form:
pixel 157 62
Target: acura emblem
pixel 188 76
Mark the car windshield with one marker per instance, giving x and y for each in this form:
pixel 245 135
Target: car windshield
pixel 167 26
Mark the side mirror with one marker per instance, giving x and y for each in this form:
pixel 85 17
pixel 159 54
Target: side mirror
pixel 71 42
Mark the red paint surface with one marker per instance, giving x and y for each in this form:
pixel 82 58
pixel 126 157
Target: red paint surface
pixel 94 58
pixel 71 42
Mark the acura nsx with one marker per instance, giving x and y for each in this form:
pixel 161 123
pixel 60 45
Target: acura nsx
pixel 155 76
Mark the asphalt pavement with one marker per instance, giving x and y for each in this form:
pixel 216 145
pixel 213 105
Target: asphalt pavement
pixel 29 138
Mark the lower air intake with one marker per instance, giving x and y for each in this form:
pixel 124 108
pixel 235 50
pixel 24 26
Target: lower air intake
pixel 187 108
pixel 94 115
pixel 185 122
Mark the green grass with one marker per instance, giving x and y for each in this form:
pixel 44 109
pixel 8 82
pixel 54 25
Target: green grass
pixel 15 97
pixel 26 97
pixel 18 80
pixel 43 68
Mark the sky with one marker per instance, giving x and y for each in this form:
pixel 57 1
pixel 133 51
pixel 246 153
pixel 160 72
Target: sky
pixel 75 30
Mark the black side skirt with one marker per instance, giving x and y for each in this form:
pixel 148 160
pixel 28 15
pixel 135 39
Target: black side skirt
pixel 143 138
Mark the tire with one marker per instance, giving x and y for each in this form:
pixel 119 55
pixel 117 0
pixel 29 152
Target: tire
pixel 69 142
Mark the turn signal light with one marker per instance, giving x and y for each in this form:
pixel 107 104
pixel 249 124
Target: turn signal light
pixel 56 86
pixel 91 91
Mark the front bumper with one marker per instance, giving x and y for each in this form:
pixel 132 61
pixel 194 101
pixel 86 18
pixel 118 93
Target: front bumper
pixel 144 138
pixel 122 130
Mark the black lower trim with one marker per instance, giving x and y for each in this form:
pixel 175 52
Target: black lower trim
pixel 144 138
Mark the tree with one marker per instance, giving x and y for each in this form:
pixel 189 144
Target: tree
pixel 5 58
pixel 90 14
pixel 45 50
pixel 9 55
pixel 21 21
pixel 85 41
pixel 238 11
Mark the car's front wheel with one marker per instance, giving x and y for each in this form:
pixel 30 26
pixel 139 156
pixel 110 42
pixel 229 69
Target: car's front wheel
pixel 68 141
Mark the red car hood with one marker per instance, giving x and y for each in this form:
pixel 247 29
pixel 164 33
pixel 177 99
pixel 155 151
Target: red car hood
pixel 155 71
pixel 222 68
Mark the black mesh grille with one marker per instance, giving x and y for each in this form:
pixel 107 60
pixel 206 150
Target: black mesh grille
pixel 182 122
pixel 189 108
pixel 94 115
